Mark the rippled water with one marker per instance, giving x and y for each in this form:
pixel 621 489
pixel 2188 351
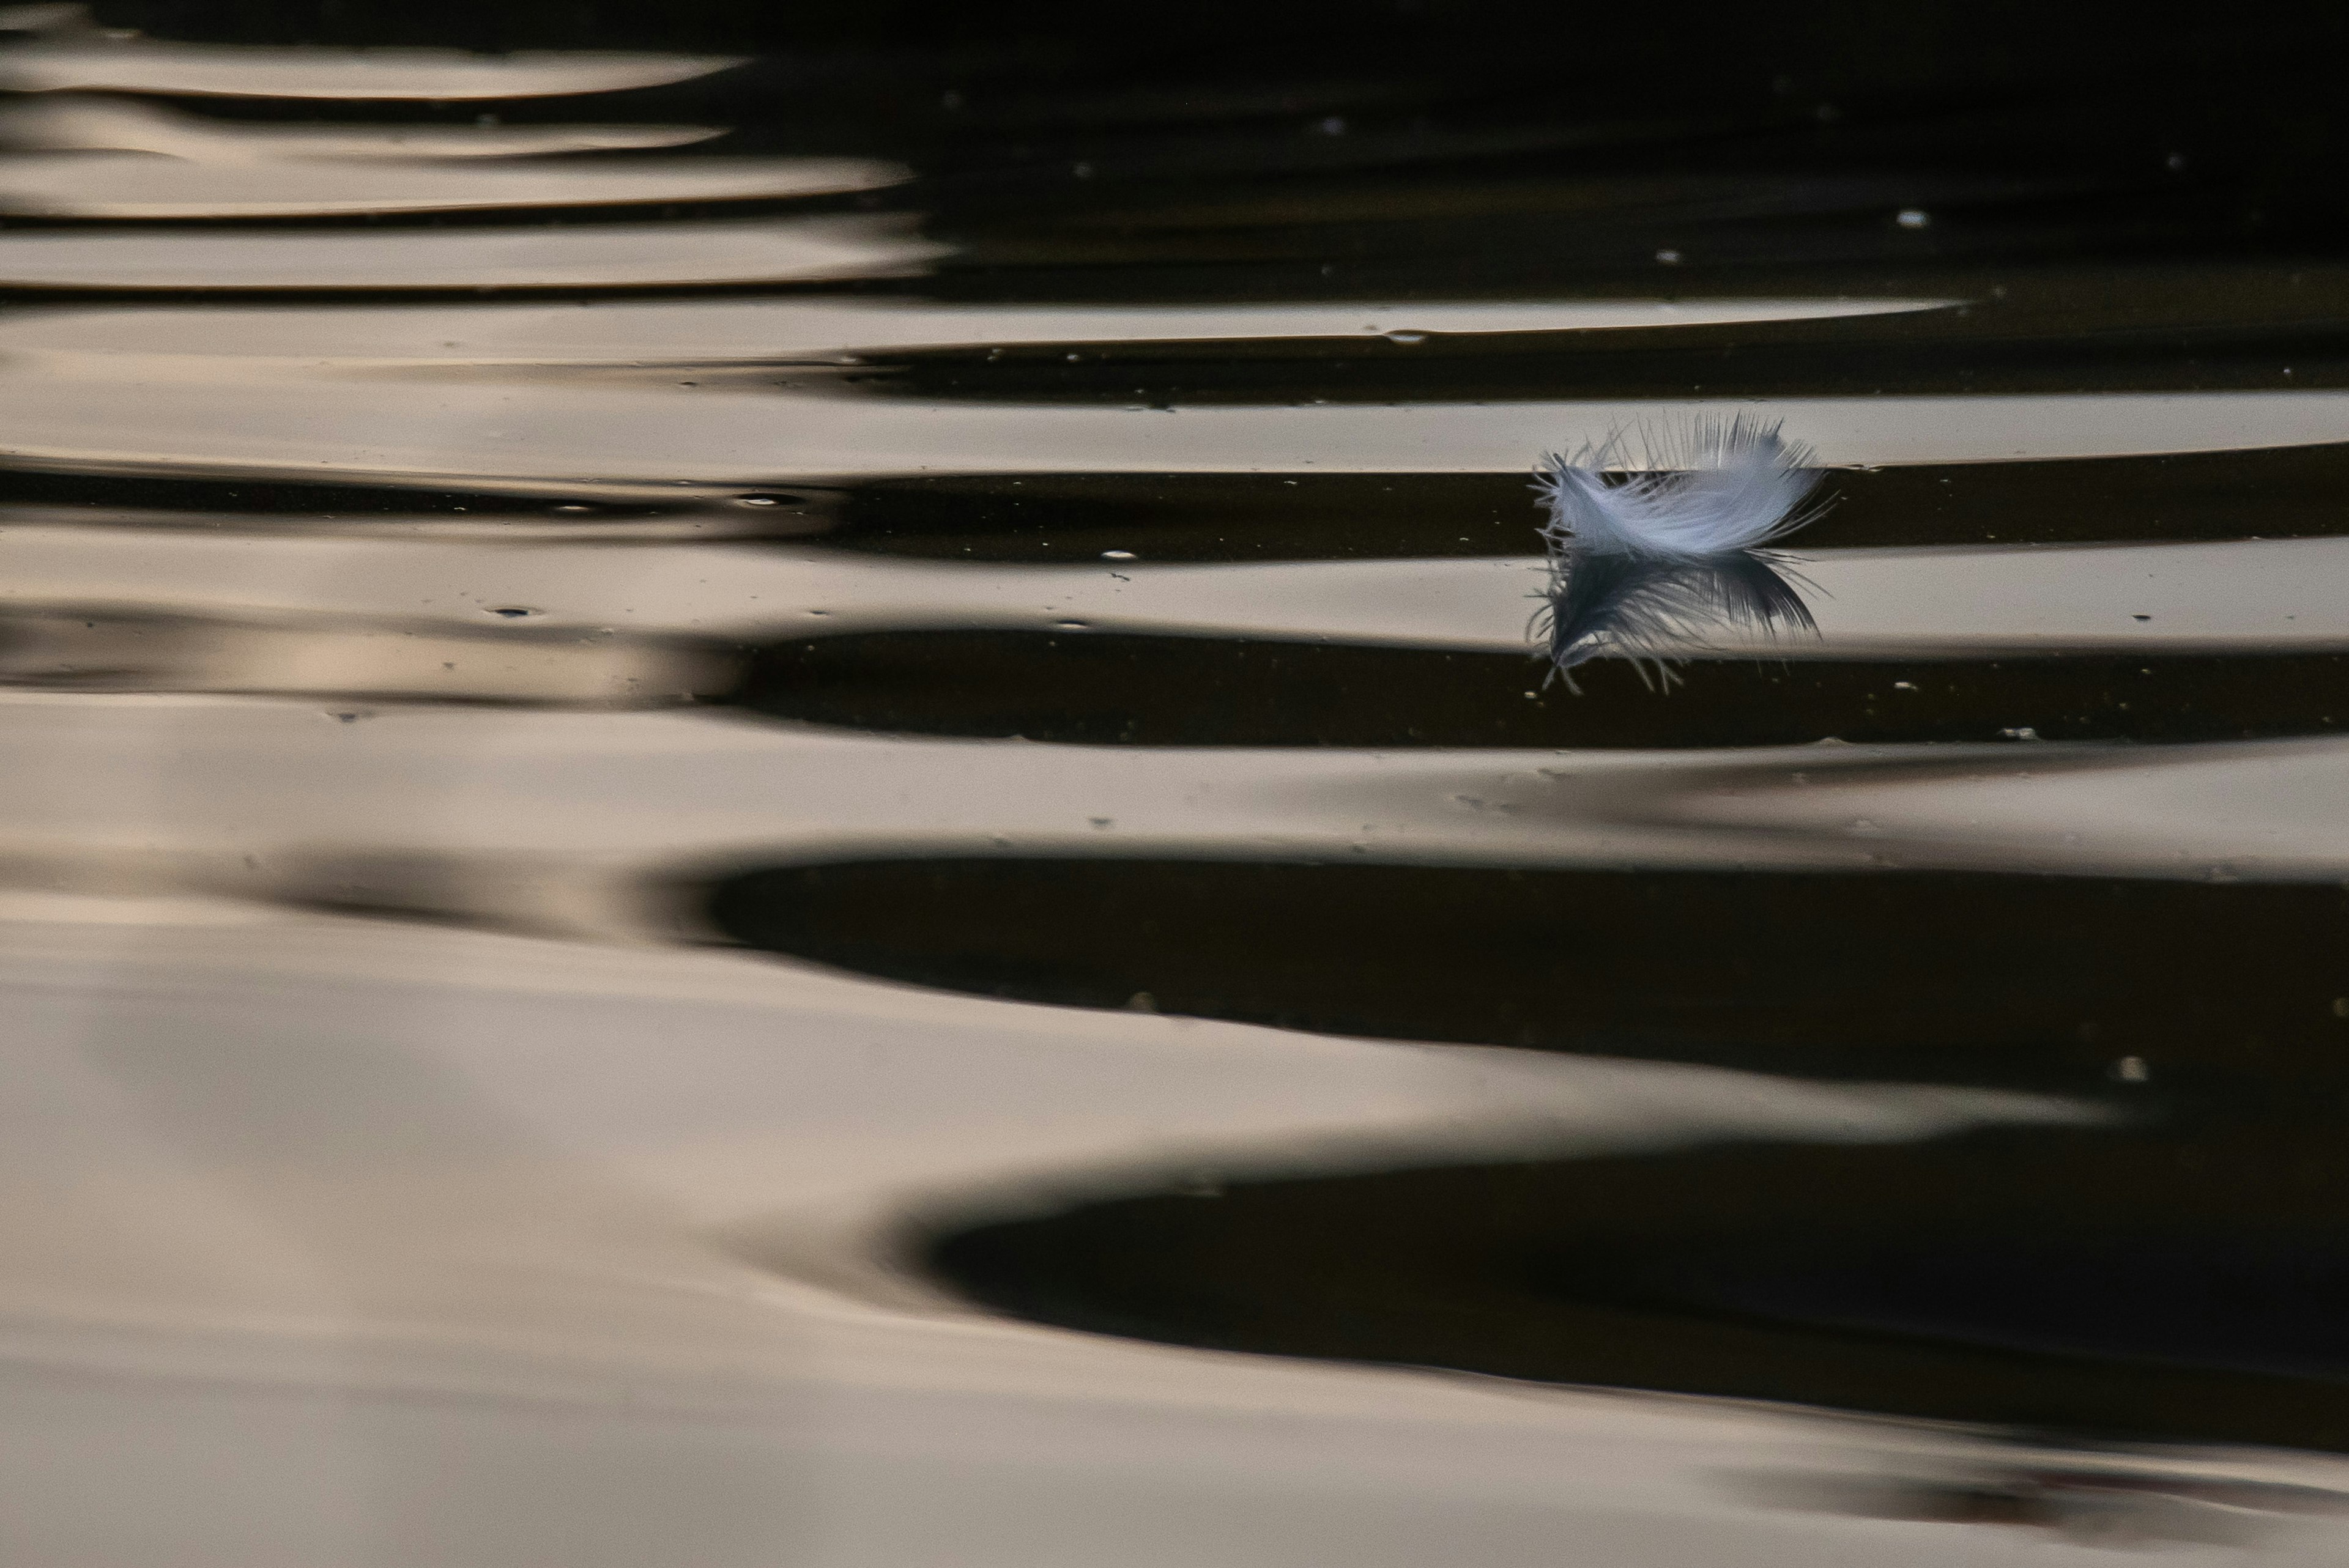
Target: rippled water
pixel 788 789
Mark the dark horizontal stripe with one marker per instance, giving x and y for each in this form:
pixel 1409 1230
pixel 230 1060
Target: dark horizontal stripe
pixel 2263 493
pixel 1114 689
pixel 238 497
pixel 2021 978
pixel 2180 1283
pixel 1910 353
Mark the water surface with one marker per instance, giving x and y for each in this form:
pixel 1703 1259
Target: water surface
pixel 786 788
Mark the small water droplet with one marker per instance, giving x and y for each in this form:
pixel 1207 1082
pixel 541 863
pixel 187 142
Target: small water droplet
pixel 1406 337
pixel 1073 625
pixel 2131 1069
pixel 1669 258
pixel 2020 732
pixel 513 611
pixel 1335 124
pixel 1104 822
pixel 1117 555
pixel 1913 218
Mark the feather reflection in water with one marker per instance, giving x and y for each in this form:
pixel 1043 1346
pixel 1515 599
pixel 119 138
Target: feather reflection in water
pixel 1641 563
pixel 1647 608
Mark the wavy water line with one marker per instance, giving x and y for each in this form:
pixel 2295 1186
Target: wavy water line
pixel 68 123
pixel 133 185
pixel 79 61
pixel 259 342
pixel 1954 603
pixel 604 255
pixel 556 798
pixel 157 415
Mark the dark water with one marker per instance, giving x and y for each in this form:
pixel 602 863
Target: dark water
pixel 784 785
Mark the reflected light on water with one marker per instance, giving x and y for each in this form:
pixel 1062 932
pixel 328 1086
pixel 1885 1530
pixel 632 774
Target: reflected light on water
pixel 779 787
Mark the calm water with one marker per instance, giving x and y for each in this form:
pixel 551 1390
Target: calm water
pixel 786 791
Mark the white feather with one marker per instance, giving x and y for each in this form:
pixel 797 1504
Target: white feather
pixel 1714 489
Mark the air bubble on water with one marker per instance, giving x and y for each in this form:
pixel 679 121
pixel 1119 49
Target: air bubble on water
pixel 2020 732
pixel 1406 337
pixel 1118 555
pixel 1335 124
pixel 1669 258
pixel 1913 218
pixel 513 611
pixel 2131 1069
pixel 1074 626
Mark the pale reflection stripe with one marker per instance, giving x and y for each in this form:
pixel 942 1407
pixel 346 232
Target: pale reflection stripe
pixel 200 783
pixel 95 62
pixel 69 122
pixel 141 185
pixel 645 434
pixel 572 256
pixel 722 332
pixel 2274 594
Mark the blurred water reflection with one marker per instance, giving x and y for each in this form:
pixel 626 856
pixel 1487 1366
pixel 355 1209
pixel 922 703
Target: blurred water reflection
pixel 783 788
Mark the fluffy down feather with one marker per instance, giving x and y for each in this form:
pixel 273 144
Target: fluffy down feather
pixel 1707 491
